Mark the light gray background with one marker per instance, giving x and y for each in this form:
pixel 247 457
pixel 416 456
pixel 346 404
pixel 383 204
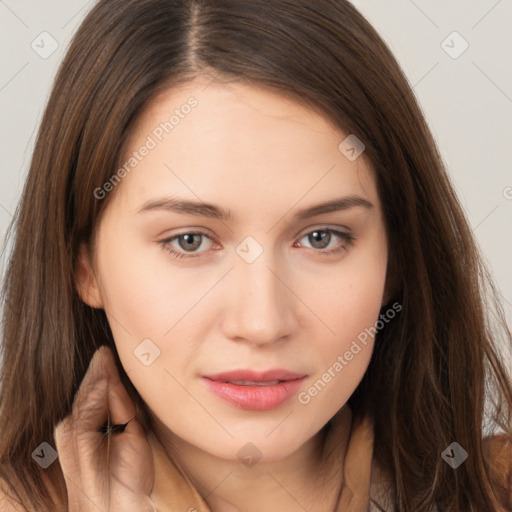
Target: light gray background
pixel 467 100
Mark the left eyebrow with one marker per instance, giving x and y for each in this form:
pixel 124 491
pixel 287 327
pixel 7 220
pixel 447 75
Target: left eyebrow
pixel 343 203
pixel 202 209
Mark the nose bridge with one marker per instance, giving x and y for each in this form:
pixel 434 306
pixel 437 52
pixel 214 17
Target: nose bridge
pixel 260 307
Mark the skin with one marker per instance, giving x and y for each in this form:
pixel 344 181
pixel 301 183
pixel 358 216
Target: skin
pixel 264 158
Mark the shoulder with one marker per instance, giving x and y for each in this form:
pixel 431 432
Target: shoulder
pixel 497 451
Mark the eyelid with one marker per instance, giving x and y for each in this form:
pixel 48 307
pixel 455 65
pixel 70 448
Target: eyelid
pixel 346 235
pixel 198 231
pixel 192 231
pixel 320 227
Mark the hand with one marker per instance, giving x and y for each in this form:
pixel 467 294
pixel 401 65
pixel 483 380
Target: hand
pixel 115 478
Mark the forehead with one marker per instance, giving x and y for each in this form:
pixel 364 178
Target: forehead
pixel 238 144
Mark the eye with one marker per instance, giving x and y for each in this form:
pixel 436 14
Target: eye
pixel 322 238
pixel 187 242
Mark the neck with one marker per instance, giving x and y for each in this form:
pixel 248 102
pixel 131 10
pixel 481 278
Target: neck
pixel 311 478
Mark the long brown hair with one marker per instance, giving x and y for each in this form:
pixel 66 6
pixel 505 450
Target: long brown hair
pixel 434 368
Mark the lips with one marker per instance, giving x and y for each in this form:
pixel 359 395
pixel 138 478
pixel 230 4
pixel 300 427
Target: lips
pixel 255 383
pixel 248 389
pixel 256 377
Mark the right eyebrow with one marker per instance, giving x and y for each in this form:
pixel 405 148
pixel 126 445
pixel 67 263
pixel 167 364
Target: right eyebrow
pixel 187 207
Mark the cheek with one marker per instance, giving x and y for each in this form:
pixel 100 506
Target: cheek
pixel 143 291
pixel 349 306
pixel 152 311
pixel 152 308
pixel 348 296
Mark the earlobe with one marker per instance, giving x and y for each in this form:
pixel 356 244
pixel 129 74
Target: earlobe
pixel 85 281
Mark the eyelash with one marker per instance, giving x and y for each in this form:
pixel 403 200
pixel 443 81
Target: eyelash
pixel 348 238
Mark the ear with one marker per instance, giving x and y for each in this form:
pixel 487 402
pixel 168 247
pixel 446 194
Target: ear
pixel 85 280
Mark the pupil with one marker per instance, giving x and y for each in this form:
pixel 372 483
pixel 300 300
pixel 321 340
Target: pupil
pixel 191 241
pixel 320 239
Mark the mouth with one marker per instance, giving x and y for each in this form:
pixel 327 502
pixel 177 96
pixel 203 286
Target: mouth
pixel 253 383
pixel 247 389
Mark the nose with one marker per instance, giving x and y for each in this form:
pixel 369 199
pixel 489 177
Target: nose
pixel 260 307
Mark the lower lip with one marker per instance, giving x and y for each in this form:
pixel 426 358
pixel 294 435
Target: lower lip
pixel 257 398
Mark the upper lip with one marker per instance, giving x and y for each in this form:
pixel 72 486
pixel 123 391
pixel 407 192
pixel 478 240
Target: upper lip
pixel 254 376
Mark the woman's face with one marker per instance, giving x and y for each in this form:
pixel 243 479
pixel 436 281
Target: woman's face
pixel 215 256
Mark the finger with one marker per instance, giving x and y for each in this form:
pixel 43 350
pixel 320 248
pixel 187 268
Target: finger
pixel 89 410
pixel 78 441
pixel 90 407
